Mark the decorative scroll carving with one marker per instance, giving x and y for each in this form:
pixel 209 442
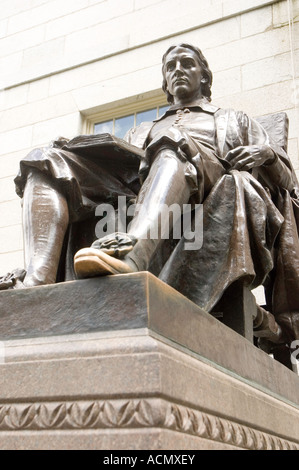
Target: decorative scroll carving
pixel 133 413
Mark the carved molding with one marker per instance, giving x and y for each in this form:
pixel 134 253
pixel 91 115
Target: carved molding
pixel 136 413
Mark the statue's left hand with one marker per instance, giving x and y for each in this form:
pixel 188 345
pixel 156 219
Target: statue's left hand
pixel 247 157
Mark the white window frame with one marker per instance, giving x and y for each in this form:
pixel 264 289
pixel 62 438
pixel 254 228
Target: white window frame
pixel 114 111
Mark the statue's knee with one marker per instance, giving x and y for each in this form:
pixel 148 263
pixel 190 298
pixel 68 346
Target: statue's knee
pixel 36 177
pixel 175 140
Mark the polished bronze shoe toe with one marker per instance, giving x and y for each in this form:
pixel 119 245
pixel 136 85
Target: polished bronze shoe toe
pixel 90 262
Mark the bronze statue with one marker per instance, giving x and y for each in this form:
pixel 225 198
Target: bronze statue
pixel 196 154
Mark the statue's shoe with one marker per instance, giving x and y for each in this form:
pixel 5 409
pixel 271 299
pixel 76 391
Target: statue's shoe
pixel 13 280
pixel 90 262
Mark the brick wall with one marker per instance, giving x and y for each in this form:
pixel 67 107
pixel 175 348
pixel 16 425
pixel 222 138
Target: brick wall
pixel 62 60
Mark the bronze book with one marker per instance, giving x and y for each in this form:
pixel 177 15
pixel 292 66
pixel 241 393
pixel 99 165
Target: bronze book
pixel 105 146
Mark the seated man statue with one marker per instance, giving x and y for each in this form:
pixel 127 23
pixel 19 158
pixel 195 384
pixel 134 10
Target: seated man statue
pixel 196 154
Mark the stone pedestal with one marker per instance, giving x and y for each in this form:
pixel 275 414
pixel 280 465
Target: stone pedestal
pixel 125 362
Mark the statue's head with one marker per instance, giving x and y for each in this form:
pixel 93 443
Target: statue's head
pixel 207 77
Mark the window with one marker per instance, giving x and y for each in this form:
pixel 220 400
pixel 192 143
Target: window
pixel 118 126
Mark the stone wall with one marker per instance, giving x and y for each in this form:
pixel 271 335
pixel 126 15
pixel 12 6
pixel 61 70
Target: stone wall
pixel 63 60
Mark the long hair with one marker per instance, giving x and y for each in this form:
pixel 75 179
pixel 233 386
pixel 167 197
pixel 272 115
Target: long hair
pixel 207 74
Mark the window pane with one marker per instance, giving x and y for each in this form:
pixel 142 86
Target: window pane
pixel 122 125
pixel 146 116
pixel 104 127
pixel 162 109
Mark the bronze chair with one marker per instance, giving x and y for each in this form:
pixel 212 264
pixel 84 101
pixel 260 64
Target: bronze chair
pixel 238 308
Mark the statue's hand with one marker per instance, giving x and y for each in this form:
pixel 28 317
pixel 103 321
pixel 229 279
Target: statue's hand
pixel 247 157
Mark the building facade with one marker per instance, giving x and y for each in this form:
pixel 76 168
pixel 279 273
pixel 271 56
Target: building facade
pixel 81 66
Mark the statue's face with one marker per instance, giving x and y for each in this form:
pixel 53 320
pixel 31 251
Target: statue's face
pixel 183 74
